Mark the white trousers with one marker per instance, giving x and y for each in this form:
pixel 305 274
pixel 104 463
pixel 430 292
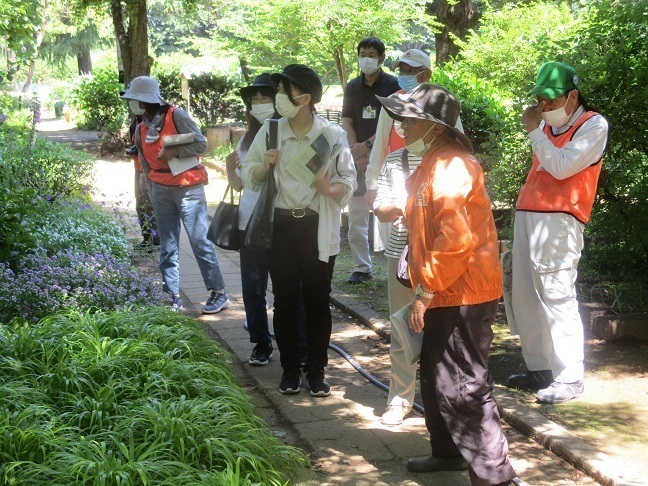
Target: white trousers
pixel 546 251
pixel 359 234
pixel 402 380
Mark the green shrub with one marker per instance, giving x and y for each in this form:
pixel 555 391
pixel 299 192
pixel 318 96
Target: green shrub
pixel 215 99
pixel 97 99
pixel 78 226
pixel 170 87
pixel 52 169
pixel 15 237
pixel 130 398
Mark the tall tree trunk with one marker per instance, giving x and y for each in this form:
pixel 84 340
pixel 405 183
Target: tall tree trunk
pixel 131 31
pixel 32 65
pixel 340 67
pixel 30 76
pixel 457 17
pixel 84 62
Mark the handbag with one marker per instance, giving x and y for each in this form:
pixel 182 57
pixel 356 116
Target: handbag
pixel 223 230
pixel 258 232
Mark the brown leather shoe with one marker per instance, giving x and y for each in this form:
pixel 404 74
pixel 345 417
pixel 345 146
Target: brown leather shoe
pixel 432 464
pixel 531 380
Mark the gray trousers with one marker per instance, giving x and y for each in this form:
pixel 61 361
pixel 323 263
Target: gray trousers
pixel 457 390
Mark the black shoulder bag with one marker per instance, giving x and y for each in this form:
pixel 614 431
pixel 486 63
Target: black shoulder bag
pixel 223 230
pixel 258 233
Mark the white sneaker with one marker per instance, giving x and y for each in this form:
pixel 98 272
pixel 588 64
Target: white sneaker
pixel 394 415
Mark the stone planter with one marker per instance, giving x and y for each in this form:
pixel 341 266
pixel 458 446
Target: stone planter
pixel 605 324
pixel 217 136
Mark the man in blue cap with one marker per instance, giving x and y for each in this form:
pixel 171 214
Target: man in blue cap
pixel 568 139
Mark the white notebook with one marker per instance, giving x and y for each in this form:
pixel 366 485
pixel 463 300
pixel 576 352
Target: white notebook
pixel 179 165
pixel 411 341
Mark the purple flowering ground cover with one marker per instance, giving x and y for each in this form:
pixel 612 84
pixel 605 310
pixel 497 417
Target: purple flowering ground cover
pixel 43 285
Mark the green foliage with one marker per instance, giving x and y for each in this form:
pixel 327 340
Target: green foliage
pixel 315 33
pixel 168 75
pixel 78 226
pixel 97 99
pixel 513 42
pixel 18 24
pixel 129 398
pixel 215 99
pixel 612 60
pixel 50 169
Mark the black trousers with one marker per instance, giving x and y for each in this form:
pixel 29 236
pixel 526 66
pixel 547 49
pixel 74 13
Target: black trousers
pixel 457 390
pixel 294 269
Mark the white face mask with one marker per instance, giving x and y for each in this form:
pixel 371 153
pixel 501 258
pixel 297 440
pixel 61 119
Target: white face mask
pixel 134 106
pixel 285 106
pixel 556 118
pixel 368 65
pixel 262 111
pixel 419 147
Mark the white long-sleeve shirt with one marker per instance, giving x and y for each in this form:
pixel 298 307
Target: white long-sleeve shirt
pixel 294 194
pixel 583 150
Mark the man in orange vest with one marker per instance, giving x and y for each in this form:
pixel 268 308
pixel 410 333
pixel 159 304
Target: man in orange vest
pixel 568 139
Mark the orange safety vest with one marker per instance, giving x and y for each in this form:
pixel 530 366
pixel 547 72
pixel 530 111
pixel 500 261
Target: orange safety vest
pixel 543 193
pixel 396 142
pixel 160 172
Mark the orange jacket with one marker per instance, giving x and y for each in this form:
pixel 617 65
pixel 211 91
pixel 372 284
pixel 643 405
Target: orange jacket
pixel 575 195
pixel 160 172
pixel 452 237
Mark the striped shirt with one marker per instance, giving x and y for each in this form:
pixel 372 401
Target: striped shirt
pixel 391 190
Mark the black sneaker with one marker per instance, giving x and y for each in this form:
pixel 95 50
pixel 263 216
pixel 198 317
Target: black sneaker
pixel 290 382
pixel 261 354
pixel 318 385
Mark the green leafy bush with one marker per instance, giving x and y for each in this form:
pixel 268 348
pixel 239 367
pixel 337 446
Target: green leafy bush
pixel 97 99
pixel 78 226
pixel 170 87
pixel 129 398
pixel 215 99
pixel 51 169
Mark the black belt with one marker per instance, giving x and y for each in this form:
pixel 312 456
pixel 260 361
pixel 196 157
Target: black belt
pixel 295 213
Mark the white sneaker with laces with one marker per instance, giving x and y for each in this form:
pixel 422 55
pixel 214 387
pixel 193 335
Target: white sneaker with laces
pixel 394 415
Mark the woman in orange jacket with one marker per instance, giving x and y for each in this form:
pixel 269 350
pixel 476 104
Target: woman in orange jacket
pixel 454 267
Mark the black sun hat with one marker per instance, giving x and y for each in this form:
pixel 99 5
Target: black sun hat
pixel 427 102
pixel 262 82
pixel 304 77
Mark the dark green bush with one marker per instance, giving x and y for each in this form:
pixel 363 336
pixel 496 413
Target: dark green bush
pixel 51 169
pixel 97 99
pixel 215 99
pixel 170 88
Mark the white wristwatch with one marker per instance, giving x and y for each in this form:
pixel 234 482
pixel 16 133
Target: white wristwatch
pixel 420 292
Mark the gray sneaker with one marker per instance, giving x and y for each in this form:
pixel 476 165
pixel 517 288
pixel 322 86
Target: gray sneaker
pixel 560 392
pixel 216 303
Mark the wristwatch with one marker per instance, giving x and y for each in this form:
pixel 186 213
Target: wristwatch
pixel 422 293
pixel 368 143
